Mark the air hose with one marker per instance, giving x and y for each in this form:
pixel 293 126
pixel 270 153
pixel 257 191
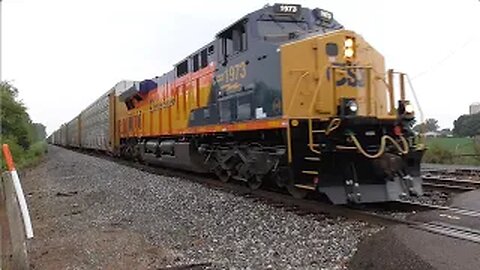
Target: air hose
pixel 383 144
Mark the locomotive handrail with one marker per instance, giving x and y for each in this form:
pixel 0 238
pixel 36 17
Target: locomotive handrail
pixel 311 145
pixel 297 86
pixel 334 124
pixel 391 93
pixel 422 127
pixel 316 91
pixel 390 87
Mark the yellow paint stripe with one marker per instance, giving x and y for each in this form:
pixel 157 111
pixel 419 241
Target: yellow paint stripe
pixel 305 187
pixel 252 125
pixel 310 172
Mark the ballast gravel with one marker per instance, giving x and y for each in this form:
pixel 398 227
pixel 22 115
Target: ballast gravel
pixel 92 213
pixel 434 197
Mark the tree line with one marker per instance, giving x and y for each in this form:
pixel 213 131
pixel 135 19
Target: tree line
pixel 467 125
pixel 24 137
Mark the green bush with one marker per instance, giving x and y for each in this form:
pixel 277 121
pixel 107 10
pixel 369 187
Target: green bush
pixel 443 155
pixel 437 154
pixel 23 157
pixel 38 148
pixel 18 153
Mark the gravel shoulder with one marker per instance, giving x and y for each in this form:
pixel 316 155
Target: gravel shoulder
pixel 91 213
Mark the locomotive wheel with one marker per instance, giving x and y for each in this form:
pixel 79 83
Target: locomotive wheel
pixel 255 182
pixel 224 175
pixel 298 193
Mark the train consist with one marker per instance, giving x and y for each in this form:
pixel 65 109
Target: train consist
pixel 284 95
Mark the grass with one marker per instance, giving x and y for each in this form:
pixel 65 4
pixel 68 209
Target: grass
pixel 25 158
pixel 457 146
pixel 450 151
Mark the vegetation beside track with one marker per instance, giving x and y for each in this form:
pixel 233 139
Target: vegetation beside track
pixel 454 150
pixel 25 138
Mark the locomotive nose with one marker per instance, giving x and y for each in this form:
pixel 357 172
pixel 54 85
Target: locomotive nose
pixel 332 75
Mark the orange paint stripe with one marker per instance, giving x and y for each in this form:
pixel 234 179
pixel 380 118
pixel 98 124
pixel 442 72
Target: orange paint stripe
pixel 8 157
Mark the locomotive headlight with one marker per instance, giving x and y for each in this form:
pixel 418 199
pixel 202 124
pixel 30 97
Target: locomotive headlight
pixel 348 43
pixel 348 107
pixel 406 111
pixel 349 47
pixel 349 52
pixel 409 108
pixel 352 106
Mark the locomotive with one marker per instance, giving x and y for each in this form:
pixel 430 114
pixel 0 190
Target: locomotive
pixel 284 95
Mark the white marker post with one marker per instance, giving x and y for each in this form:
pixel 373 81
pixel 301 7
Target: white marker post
pixel 18 189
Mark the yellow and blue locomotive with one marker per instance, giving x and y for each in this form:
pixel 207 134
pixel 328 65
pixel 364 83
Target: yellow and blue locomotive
pixel 284 95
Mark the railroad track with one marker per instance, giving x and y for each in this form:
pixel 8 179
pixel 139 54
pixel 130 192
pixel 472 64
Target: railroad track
pixel 459 180
pixel 376 213
pixel 437 227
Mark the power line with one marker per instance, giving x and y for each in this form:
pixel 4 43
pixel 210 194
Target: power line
pixel 444 59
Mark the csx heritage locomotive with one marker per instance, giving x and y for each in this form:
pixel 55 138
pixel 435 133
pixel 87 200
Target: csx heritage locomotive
pixel 284 95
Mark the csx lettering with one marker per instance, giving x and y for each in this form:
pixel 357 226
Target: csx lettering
pixel 353 77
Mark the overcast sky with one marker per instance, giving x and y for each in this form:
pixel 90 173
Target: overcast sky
pixel 63 54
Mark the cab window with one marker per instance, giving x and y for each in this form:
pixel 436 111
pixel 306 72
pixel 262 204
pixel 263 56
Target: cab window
pixel 234 39
pixel 195 62
pixel 204 58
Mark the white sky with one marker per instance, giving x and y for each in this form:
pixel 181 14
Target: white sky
pixel 62 55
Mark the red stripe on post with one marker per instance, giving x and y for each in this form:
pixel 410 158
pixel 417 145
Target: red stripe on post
pixel 8 157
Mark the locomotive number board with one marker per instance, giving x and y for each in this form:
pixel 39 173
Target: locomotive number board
pixel 286 9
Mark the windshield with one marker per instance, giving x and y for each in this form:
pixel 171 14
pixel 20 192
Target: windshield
pixel 277 28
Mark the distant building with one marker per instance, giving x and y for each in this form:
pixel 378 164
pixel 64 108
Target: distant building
pixel 432 134
pixel 475 108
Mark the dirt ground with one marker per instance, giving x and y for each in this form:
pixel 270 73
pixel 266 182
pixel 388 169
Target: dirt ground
pixel 64 238
pixel 91 213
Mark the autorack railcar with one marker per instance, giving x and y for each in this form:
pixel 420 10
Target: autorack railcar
pixel 285 94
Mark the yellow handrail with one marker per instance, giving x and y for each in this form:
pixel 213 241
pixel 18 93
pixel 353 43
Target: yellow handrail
pixel 297 87
pixel 311 145
pixel 334 124
pixel 316 91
